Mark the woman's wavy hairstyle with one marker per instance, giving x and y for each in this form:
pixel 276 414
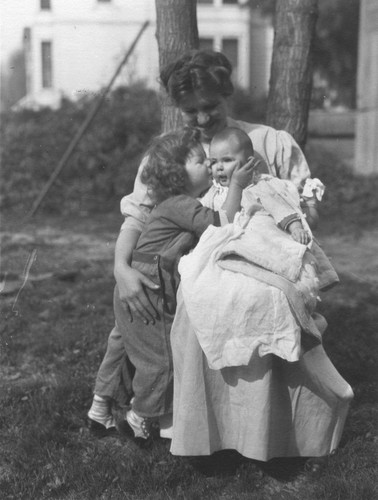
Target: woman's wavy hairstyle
pixel 198 71
pixel 164 173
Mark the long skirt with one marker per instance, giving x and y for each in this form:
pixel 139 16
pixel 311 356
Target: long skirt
pixel 269 408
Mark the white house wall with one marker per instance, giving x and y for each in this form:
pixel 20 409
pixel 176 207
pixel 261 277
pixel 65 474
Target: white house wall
pixel 90 38
pixel 366 148
pixel 218 22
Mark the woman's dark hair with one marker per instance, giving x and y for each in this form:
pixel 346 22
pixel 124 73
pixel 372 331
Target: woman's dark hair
pixel 164 173
pixel 199 70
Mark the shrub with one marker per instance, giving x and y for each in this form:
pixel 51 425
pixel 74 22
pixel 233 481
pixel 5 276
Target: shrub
pixel 350 202
pixel 104 164
pixel 243 107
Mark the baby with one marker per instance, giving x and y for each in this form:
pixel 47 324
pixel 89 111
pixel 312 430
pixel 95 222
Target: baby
pixel 264 261
pixel 231 147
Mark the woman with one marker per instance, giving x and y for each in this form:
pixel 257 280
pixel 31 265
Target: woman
pixel 199 84
pixel 269 408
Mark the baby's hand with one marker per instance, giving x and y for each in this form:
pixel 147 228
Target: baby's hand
pixel 298 233
pixel 242 175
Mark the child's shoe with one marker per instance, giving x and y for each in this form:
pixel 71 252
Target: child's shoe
pixel 100 419
pixel 142 429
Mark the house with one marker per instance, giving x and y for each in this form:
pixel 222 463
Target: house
pixel 73 48
pixel 366 148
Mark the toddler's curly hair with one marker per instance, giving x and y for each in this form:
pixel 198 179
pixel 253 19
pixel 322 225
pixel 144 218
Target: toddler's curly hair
pixel 164 173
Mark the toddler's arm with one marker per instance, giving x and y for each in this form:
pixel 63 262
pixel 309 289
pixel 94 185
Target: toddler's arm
pixel 298 233
pixel 131 282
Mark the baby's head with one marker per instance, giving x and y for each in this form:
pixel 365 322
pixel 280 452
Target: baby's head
pixel 228 148
pixel 176 165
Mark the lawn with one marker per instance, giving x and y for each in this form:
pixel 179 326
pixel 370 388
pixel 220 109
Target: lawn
pixel 54 326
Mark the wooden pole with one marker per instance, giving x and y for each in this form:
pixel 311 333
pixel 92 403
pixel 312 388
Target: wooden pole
pixel 75 141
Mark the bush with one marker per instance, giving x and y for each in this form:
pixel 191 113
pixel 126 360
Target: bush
pixel 243 107
pixel 103 166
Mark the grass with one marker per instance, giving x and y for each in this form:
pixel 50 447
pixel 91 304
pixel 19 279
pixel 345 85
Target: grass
pixel 52 341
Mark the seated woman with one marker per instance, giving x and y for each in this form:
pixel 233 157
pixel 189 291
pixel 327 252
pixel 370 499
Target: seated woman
pixel 270 408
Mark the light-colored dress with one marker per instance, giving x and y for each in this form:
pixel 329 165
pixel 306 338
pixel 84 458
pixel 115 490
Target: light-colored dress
pixel 270 408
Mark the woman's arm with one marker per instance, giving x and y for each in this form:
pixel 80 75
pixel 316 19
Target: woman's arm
pixel 130 281
pixel 309 207
pixel 290 161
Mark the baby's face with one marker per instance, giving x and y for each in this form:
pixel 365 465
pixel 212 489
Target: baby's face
pixel 225 156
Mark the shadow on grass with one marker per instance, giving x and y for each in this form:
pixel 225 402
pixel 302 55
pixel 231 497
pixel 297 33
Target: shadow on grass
pixel 48 365
pixel 228 462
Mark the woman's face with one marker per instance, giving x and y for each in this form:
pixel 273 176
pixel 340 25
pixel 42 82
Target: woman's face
pixel 207 112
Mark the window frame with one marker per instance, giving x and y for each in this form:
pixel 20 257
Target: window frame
pixel 46 64
pixel 45 4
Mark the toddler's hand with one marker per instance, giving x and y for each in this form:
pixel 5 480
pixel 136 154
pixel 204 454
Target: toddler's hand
pixel 242 175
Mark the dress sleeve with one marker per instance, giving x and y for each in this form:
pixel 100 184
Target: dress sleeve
pixel 137 205
pixel 290 160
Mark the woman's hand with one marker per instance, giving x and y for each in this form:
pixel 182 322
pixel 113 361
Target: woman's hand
pixel 131 286
pixel 131 283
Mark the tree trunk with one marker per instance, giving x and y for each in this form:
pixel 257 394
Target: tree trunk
pixel 291 71
pixel 176 33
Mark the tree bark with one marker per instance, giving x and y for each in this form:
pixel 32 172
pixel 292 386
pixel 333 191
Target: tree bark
pixel 291 70
pixel 176 33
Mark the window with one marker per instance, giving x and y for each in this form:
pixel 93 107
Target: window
pixel 230 50
pixel 206 43
pixel 45 4
pixel 230 2
pixel 46 53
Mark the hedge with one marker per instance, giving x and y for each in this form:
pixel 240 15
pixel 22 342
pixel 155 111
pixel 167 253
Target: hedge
pixel 102 168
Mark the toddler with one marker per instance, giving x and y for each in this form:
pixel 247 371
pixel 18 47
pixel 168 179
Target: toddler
pixel 176 173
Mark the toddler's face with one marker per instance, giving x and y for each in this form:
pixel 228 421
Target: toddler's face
pixel 225 157
pixel 199 172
